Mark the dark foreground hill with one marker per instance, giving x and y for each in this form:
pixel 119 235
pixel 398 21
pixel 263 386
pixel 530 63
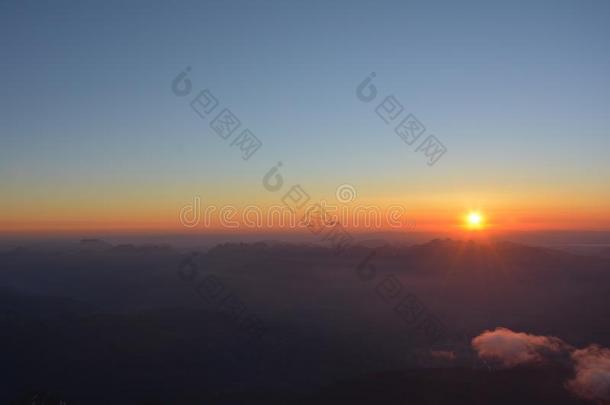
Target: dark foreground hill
pixel 277 323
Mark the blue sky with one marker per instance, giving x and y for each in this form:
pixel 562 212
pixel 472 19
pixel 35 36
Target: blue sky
pixel 519 92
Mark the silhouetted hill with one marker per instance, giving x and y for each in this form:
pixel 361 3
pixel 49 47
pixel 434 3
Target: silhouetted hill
pixel 525 385
pixel 168 325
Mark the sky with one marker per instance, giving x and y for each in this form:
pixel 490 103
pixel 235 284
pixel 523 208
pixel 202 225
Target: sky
pixel 92 137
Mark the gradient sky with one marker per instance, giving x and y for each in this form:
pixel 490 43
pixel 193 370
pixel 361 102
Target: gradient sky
pixel 92 137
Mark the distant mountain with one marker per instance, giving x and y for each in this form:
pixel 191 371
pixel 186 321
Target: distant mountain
pixel 94 245
pixel 148 248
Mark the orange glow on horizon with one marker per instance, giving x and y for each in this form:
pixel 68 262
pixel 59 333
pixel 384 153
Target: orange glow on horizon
pixel 447 215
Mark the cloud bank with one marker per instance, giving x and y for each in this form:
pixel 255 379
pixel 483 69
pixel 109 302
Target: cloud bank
pixel 510 348
pixel 592 379
pixel 591 365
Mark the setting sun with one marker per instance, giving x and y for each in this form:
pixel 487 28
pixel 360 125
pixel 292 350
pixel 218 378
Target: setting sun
pixel 474 220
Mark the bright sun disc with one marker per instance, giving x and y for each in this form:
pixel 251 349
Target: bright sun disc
pixel 474 220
